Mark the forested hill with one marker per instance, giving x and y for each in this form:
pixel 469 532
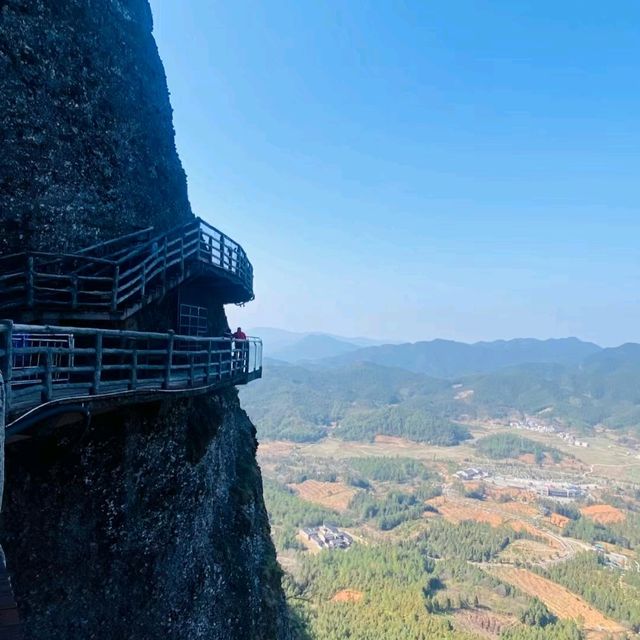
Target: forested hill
pixel 357 401
pixel 449 359
pixel 313 347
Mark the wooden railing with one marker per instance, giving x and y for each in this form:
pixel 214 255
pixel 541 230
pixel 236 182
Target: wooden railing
pixel 46 364
pixel 112 279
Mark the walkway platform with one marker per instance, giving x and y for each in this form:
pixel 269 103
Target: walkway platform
pixel 113 280
pixel 50 370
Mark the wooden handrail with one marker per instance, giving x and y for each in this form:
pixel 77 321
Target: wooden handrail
pixel 115 241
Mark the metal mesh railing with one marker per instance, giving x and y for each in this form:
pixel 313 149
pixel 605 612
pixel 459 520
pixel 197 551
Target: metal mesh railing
pixel 29 351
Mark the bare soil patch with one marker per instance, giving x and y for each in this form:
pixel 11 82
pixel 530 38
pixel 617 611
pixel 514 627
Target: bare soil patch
pixel 460 511
pixel 482 623
pixel 527 458
pixel 276 448
pixel 558 520
pixel 335 495
pixel 394 440
pixel 528 551
pixel 348 595
pixel 603 513
pixel 518 509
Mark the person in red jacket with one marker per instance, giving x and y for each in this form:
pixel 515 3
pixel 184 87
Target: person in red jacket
pixel 239 334
pixel 240 349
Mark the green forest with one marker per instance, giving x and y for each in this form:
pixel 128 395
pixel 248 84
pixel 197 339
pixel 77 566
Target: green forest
pixel 400 593
pixel 614 594
pixel 511 445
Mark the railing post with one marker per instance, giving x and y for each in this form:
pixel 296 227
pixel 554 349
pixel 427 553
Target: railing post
pixel 97 372
pixel 31 293
pixel 115 288
pixel 169 360
pixel 182 257
pixel 7 365
pixel 74 291
pixel 222 250
pixel 208 373
pixel 164 266
pixel 47 392
pixel 144 280
pixel 134 370
pixel 192 370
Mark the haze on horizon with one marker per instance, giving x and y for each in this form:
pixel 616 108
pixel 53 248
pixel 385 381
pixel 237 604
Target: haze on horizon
pixel 410 171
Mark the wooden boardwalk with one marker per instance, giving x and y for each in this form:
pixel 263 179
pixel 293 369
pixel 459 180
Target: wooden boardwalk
pixel 48 366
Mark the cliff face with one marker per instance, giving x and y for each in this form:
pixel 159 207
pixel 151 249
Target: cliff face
pixel 86 128
pixel 147 525
pixel 149 522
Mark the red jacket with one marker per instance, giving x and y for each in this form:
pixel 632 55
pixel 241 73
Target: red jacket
pixel 240 335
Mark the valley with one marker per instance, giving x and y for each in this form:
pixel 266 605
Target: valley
pixel 492 542
pixel 481 496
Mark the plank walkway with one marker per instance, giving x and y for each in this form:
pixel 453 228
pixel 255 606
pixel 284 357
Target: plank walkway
pixel 44 366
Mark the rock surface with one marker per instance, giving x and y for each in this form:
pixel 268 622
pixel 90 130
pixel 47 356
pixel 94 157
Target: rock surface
pixel 86 127
pixel 150 522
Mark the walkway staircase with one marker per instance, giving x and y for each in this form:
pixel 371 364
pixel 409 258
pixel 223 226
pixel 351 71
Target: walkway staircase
pixel 113 280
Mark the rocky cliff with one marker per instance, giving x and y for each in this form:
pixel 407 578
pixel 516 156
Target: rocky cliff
pixel 145 523
pixel 86 126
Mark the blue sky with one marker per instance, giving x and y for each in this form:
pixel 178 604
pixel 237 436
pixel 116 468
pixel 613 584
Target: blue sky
pixel 458 169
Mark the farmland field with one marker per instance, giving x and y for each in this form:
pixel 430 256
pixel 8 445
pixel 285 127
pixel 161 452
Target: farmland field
pixel 509 497
pixel 335 495
pixel 603 513
pixel 560 601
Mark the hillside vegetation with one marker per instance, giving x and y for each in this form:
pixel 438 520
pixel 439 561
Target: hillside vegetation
pixel 360 400
pixel 450 359
pixel 510 445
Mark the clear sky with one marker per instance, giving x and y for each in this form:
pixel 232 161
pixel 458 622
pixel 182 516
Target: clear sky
pixel 462 169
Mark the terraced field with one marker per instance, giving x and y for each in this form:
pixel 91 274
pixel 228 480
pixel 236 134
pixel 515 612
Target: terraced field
pixel 562 602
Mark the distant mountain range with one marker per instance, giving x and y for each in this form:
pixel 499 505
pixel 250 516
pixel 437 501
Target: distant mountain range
pixel 291 346
pixel 438 358
pixel 382 390
pixel 449 359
